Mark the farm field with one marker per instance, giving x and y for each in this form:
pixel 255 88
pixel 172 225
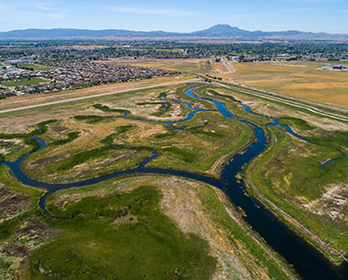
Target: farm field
pixel 193 65
pixel 300 80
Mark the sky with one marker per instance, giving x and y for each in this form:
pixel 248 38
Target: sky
pixel 329 16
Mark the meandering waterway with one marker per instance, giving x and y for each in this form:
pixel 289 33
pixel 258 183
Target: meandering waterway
pixel 308 262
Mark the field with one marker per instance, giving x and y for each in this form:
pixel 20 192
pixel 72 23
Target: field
pixel 180 65
pixel 35 67
pixel 22 82
pixel 307 82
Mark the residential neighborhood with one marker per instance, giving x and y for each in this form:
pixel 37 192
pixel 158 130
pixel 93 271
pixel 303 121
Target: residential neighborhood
pixel 64 75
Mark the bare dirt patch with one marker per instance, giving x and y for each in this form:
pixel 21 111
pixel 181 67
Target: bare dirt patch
pixel 12 203
pixel 333 204
pixel 14 252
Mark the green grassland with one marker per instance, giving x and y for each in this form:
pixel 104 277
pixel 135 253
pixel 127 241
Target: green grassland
pixel 182 149
pixel 121 236
pixel 249 251
pixel 118 230
pixel 126 221
pixel 13 149
pixel 24 82
pixel 288 173
pixel 18 203
pixel 81 165
pixel 35 67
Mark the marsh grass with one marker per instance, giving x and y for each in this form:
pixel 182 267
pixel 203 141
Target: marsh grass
pixel 93 244
pixel 288 173
pixel 255 259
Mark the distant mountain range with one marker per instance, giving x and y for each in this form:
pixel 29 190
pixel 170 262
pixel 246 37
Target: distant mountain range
pixel 220 31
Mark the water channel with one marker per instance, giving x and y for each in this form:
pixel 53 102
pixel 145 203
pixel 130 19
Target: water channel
pixel 308 262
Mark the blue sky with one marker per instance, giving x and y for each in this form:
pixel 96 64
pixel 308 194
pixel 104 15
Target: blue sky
pixel 180 15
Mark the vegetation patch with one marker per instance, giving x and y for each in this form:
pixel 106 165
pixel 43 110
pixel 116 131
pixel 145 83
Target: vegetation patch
pixel 24 82
pixel 105 108
pixel 248 251
pixel 300 124
pixel 71 137
pixel 93 245
pixel 289 174
pixel 91 119
pixel 35 67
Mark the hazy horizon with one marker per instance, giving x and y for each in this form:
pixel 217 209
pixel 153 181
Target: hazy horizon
pixel 330 16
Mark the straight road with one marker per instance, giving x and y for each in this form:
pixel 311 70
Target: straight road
pixel 88 97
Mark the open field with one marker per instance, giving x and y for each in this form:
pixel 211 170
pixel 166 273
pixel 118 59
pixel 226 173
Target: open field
pixel 325 86
pixel 36 67
pixel 22 82
pixel 189 205
pixel 258 70
pixel 193 65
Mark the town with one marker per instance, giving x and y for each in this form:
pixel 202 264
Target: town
pixel 64 75
pixel 50 66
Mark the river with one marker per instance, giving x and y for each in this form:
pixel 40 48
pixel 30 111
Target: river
pixel 308 262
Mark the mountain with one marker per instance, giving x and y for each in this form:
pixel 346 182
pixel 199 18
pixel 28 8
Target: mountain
pixel 220 31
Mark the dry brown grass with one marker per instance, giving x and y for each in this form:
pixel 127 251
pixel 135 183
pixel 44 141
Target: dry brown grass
pixel 24 123
pixel 34 99
pixel 265 108
pixel 218 67
pixel 191 65
pixel 325 86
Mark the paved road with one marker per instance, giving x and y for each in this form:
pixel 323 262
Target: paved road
pixel 88 97
pixel 229 68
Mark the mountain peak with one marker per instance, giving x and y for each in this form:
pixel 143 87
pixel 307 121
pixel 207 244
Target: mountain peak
pixel 223 28
pixel 220 30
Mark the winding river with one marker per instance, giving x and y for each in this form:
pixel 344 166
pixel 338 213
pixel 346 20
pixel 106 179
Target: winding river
pixel 308 262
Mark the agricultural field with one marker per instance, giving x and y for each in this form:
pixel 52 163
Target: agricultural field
pixel 301 80
pixel 180 65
